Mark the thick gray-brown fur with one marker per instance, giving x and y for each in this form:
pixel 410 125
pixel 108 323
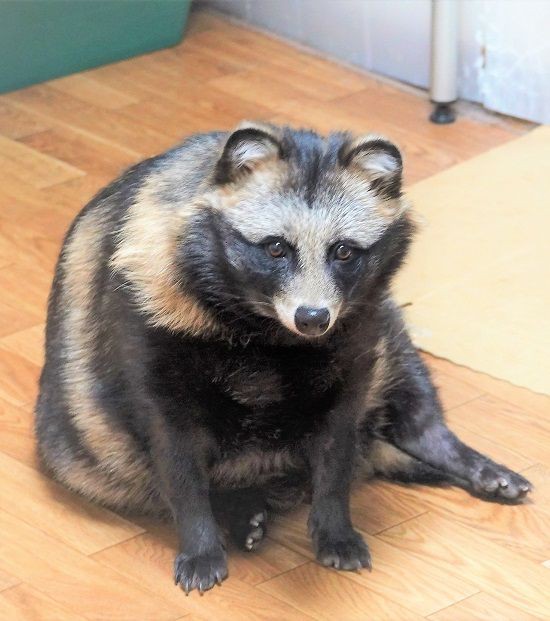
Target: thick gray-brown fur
pixel 181 379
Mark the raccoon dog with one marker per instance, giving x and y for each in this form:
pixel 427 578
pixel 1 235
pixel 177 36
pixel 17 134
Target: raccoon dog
pixel 221 339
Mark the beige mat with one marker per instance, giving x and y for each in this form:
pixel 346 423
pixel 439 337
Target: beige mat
pixel 478 277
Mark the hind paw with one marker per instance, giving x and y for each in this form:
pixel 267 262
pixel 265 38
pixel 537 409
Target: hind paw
pixel 248 532
pixel 258 530
pixel 496 482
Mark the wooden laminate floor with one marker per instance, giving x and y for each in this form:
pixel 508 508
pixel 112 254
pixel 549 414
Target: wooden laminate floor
pixel 438 554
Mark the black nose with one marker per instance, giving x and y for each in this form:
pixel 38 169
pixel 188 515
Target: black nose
pixel 312 321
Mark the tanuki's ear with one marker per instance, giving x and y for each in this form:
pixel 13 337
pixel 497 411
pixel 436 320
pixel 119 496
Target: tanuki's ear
pixel 247 147
pixel 380 161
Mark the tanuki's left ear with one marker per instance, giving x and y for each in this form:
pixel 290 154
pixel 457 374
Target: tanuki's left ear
pixel 250 145
pixel 380 161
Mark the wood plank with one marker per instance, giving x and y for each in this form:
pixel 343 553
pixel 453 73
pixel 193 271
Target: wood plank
pixel 7 581
pixel 16 123
pixel 13 318
pixel 326 594
pixel 188 66
pixel 109 125
pixel 192 113
pixel 522 397
pixel 376 506
pixel 431 589
pixel 18 379
pixel 28 343
pixel 513 427
pixel 82 151
pixel 17 432
pixel 148 560
pixel 522 528
pixel 38 247
pixel 539 475
pixel 258 88
pixel 75 581
pixel 28 166
pixel 264 563
pixel 482 607
pixel 90 91
pixel 59 513
pixel 23 603
pixel 452 390
pixel 488 566
pixel 18 200
pixel 237 45
pixel 497 452
pixel 25 287
pixel 73 195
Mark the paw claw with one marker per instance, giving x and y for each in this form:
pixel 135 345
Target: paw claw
pixel 200 571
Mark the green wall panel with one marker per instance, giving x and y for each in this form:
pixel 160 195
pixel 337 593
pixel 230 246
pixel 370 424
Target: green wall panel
pixel 43 39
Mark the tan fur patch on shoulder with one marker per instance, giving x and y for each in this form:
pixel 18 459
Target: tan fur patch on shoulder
pixel 145 256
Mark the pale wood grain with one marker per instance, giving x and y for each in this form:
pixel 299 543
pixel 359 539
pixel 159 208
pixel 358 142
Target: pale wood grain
pixel 514 427
pixel 17 432
pixel 539 475
pixel 499 453
pixel 109 125
pixel 327 594
pixel 18 378
pixel 28 343
pixel 7 581
pixel 148 559
pixel 431 589
pixel 74 580
pixel 23 603
pixel 470 555
pixel 482 607
pixel 82 87
pixel 522 397
pixel 83 151
pixel 32 167
pixel 13 318
pixel 47 506
pixel 16 123
pixel 522 529
pixel 38 247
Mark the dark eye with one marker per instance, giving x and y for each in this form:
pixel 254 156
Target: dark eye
pixel 276 249
pixel 343 252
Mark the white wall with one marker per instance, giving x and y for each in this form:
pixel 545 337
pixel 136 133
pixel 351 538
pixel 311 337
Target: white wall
pixel 504 44
pixel 360 32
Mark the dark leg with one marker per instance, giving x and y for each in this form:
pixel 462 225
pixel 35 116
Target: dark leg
pixel 335 542
pixel 418 428
pixel 244 513
pixel 180 460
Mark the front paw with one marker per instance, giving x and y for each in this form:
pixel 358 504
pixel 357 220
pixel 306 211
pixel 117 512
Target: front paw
pixel 343 550
pixel 496 482
pixel 200 571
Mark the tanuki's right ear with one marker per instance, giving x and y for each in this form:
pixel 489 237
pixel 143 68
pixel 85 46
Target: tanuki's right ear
pixel 246 148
